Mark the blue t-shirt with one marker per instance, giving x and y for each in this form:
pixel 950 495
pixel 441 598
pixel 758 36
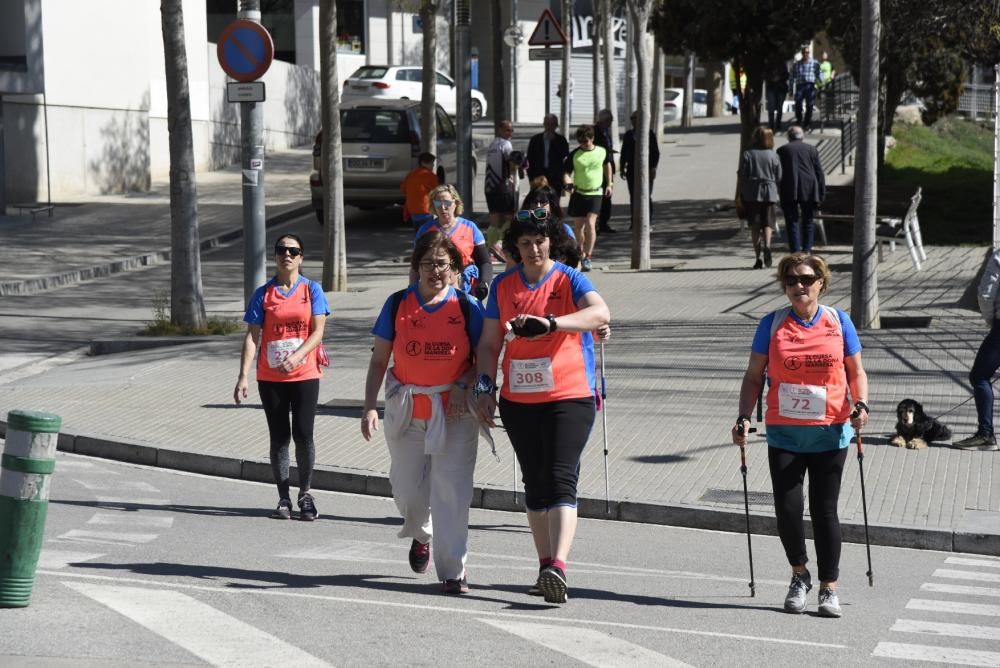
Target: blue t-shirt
pixel 255 308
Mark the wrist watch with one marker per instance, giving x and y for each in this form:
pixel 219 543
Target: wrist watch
pixel 552 323
pixel 859 404
pixel 484 385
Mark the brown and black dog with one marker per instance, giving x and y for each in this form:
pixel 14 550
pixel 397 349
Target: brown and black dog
pixel 914 428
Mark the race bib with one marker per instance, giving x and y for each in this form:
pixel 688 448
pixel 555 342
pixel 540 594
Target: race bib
pixel 280 350
pixel 802 402
pixel 531 375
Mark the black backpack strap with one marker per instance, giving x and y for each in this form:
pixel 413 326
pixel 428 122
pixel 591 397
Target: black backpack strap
pixel 397 299
pixel 465 305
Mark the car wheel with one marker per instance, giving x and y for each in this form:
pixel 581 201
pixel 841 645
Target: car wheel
pixel 477 110
pixel 441 175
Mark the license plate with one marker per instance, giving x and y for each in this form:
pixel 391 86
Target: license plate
pixel 374 164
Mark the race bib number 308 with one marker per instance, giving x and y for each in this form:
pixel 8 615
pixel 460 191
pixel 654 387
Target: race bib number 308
pixel 802 402
pixel 534 375
pixel 278 351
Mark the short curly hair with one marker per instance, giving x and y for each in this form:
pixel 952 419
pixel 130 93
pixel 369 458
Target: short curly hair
pixel 551 228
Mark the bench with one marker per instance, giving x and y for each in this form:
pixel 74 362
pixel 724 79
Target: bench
pixel 34 209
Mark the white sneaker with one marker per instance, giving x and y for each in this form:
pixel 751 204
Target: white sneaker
pixel 829 604
pixel 795 600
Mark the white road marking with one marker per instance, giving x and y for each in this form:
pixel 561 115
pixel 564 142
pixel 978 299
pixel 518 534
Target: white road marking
pixel 954 607
pixel 946 629
pixel 960 589
pixel 49 558
pixel 132 520
pixel 199 628
pixel 966 575
pixel 586 646
pixel 441 609
pixel 949 655
pixel 131 501
pixel 122 486
pixel 965 561
pixel 72 464
pixel 108 537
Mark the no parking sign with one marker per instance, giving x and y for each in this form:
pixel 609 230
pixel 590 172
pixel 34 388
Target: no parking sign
pixel 245 50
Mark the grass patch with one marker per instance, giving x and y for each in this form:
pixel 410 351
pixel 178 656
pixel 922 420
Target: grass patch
pixel 953 162
pixel 162 326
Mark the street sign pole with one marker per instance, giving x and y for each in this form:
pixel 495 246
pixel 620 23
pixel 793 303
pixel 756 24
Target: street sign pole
pixel 463 91
pixel 252 149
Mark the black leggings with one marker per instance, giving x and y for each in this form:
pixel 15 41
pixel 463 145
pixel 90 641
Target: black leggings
pixel 301 397
pixel 549 439
pixel 788 470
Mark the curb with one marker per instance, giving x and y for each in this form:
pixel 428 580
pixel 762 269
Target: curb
pixel 492 498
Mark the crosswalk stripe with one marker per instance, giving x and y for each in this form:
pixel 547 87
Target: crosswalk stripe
pixel 132 520
pixel 109 537
pixel 117 486
pixel 950 655
pixel 586 646
pixel 960 589
pixel 209 634
pixel 966 575
pixel 52 559
pixel 131 501
pixel 954 607
pixel 965 561
pixel 946 629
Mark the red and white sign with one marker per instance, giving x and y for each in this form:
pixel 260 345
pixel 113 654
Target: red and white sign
pixel 548 32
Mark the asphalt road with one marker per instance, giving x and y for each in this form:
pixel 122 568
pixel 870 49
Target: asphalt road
pixel 151 567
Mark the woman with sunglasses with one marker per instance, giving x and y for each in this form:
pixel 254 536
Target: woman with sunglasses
pixel 547 400
pixel 817 396
pixel 285 321
pixel 544 199
pixel 429 331
pixel 589 180
pixel 476 271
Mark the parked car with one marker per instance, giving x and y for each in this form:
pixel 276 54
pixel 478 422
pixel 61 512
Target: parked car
pixel 381 142
pixel 673 103
pixel 405 83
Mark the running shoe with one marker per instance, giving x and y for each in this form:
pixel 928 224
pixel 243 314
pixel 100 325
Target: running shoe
pixel 977 441
pixel 307 508
pixel 552 582
pixel 420 556
pixel 457 586
pixel 284 510
pixel 586 265
pixel 795 600
pixel 829 604
pixel 767 256
pixel 536 589
pixel 759 264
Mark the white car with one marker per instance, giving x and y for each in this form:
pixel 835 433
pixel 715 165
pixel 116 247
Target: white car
pixel 673 103
pixel 405 83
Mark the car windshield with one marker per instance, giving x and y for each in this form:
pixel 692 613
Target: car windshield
pixel 369 72
pixel 382 126
pixel 670 95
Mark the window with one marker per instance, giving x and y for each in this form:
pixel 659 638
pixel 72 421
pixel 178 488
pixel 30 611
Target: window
pixel 445 128
pixel 276 15
pixel 350 26
pixel 374 125
pixel 442 80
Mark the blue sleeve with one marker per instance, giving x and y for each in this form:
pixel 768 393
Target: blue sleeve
pixel 581 284
pixel 475 321
pixel 852 344
pixel 762 338
pixel 319 304
pixel 569 231
pixel 383 327
pixel 477 235
pixel 255 309
pixel 492 305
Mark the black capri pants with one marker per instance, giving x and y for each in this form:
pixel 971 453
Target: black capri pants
pixel 548 439
pixel 788 470
pixel 300 397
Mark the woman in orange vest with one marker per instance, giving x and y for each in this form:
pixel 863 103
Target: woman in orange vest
pixel 812 356
pixel 285 320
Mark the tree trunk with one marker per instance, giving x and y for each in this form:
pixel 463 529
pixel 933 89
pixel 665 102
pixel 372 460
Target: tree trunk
pixel 334 241
pixel 639 10
pixel 864 283
pixel 596 31
pixel 499 102
pixel 428 118
pixel 610 82
pixel 716 97
pixel 656 113
pixel 565 116
pixel 688 111
pixel 187 303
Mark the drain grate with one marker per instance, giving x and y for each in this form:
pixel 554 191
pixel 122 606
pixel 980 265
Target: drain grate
pixel 735 497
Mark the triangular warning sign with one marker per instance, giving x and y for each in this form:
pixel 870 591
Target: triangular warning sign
pixel 548 32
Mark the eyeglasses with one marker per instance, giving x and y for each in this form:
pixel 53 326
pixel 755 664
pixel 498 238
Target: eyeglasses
pixel 541 213
pixel 440 265
pixel 291 250
pixel 806 279
pixel 443 203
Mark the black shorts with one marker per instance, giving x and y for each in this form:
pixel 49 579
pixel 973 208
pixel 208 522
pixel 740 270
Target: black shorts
pixel 583 205
pixel 498 201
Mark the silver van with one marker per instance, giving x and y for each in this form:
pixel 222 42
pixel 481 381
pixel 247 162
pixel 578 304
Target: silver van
pixel 381 142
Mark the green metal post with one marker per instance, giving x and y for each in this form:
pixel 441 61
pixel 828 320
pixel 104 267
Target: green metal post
pixel 28 461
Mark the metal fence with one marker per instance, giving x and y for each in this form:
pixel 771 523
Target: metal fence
pixel 977 101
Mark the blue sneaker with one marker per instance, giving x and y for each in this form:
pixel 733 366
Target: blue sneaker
pixel 586 265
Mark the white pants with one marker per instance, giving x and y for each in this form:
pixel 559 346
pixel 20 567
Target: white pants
pixel 438 486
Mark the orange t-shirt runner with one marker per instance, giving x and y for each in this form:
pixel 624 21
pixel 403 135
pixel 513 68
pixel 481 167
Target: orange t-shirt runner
pixel 285 321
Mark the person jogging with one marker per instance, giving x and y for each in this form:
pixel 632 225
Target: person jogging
pixel 430 331
pixel 812 357
pixel 475 271
pixel 285 321
pixel 547 400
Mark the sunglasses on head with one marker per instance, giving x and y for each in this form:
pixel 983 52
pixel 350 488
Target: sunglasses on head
pixel 806 280
pixel 291 250
pixel 443 203
pixel 540 213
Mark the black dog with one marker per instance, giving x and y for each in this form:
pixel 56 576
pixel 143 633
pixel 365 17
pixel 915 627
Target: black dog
pixel 914 428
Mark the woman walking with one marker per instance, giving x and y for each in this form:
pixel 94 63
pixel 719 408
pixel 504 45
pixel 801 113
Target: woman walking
pixel 285 321
pixel 760 174
pixel 475 271
pixel 812 357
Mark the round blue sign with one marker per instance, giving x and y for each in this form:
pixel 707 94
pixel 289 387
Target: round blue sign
pixel 245 50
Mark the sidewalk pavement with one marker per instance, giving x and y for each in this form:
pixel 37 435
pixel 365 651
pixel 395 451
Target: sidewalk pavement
pixel 674 363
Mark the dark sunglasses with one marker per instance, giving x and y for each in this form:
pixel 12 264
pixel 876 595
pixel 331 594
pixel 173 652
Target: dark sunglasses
pixel 291 250
pixel 806 280
pixel 524 215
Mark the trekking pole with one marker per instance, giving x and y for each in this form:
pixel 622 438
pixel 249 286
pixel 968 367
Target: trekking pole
pixel 746 506
pixel 604 419
pixel 864 508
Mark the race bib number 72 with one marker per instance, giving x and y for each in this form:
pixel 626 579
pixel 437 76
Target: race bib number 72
pixel 802 402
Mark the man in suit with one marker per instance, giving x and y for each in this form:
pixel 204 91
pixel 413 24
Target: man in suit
pixel 547 153
pixel 627 163
pixel 803 187
pixel 603 138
